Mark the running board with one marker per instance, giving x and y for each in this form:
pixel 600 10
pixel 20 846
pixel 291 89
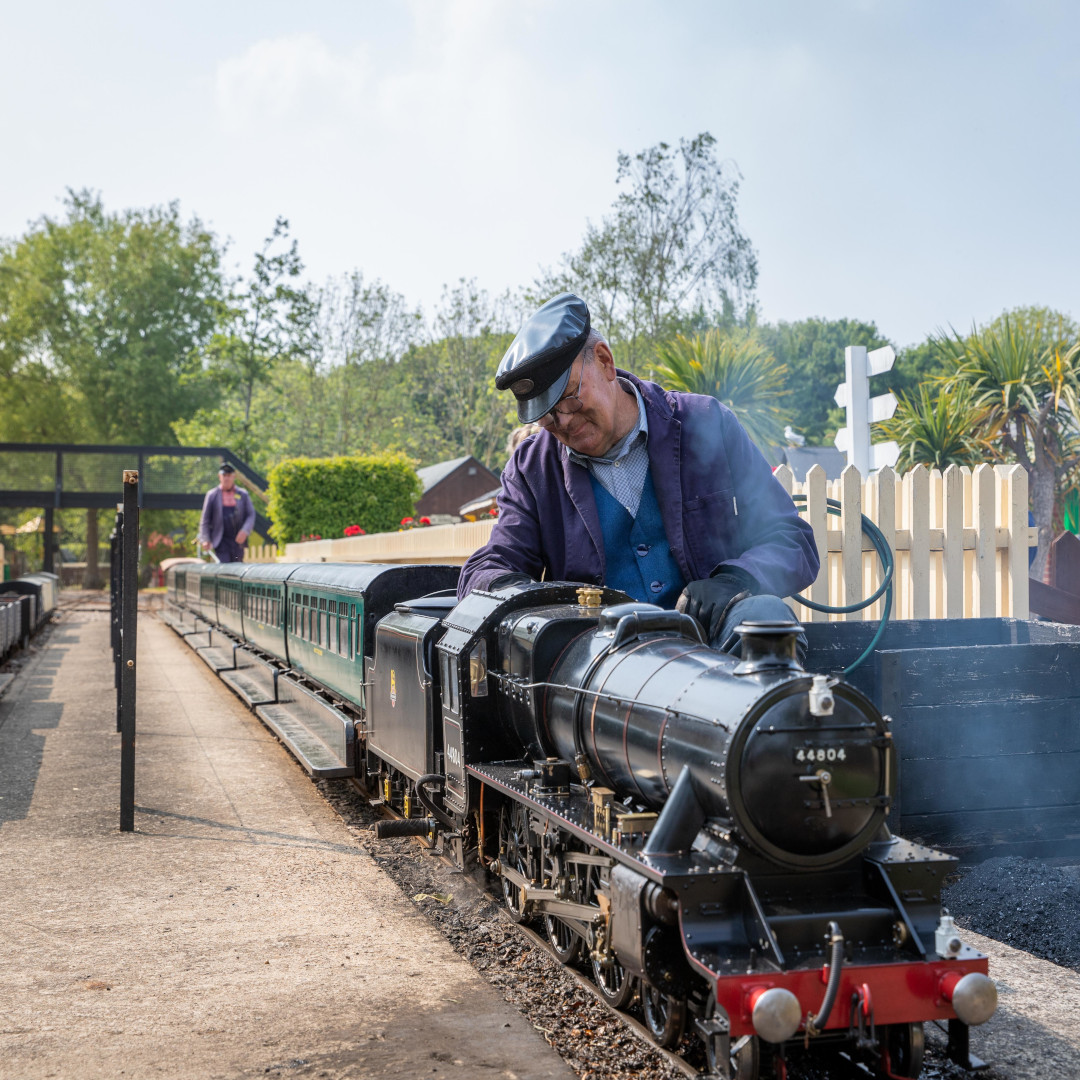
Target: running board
pixel 218 658
pixel 178 619
pixel 252 679
pixel 319 736
pixel 201 636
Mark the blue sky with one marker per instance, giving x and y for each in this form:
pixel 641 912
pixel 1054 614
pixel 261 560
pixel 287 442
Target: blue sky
pixel 911 163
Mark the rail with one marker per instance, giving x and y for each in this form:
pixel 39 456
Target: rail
pixel 961 539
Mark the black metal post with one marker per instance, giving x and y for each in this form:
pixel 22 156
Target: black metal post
pixel 115 602
pixel 48 562
pixel 129 592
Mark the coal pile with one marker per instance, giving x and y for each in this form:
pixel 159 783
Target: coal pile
pixel 1025 903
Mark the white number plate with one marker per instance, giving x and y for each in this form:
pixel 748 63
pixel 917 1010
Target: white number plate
pixel 816 754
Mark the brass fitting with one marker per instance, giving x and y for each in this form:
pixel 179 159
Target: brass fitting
pixel 588 596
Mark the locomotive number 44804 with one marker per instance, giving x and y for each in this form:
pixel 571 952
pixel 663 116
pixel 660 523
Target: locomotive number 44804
pixel 820 753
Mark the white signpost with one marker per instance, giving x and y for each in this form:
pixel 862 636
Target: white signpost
pixel 853 395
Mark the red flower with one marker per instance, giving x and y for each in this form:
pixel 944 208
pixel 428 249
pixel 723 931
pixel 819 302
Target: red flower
pixel 425 521
pixel 406 521
pixel 494 511
pixel 354 530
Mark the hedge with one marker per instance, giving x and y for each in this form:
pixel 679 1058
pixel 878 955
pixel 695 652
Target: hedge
pixel 321 496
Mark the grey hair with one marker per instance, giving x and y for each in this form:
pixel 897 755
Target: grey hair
pixel 594 339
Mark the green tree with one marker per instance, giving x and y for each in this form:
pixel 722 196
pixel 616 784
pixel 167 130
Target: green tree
pixel 365 329
pixel 736 369
pixel 937 427
pixel 266 319
pixel 669 257
pixel 813 352
pixel 102 319
pixel 1023 371
pixel 451 379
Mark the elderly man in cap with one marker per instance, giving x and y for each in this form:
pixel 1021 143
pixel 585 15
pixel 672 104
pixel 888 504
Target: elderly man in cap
pixel 227 517
pixel 659 494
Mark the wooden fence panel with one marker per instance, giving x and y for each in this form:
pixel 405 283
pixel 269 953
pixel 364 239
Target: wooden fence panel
pixel 985 522
pixel 952 559
pixel 817 513
pixel 851 540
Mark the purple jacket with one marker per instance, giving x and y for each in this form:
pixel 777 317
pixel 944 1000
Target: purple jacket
pixel 212 524
pixel 718 497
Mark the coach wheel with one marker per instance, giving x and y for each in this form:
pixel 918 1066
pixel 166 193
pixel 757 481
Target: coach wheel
pixel 904 1047
pixel 514 853
pixel 665 1016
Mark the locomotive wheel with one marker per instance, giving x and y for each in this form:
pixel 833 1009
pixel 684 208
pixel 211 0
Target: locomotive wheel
pixel 665 1016
pixel 513 852
pixel 905 1045
pixel 565 944
pixel 615 985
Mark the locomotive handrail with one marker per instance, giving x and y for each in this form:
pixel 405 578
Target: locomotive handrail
pixel 635 623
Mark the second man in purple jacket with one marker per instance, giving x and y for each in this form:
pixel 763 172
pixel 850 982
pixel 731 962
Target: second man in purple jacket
pixel 659 494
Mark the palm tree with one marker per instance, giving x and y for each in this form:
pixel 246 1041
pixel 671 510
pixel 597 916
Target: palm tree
pixel 736 369
pixel 1024 375
pixel 938 430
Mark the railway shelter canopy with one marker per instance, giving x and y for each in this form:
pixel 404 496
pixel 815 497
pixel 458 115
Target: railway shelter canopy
pixel 58 476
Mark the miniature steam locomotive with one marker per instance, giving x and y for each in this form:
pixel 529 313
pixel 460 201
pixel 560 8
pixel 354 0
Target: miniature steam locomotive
pixel 705 831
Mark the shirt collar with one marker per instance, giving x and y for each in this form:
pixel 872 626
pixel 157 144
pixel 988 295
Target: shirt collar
pixel 623 447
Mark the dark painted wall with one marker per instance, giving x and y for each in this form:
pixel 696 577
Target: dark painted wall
pixel 986 717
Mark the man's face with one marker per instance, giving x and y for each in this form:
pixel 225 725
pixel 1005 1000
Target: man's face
pixel 592 429
pixel 228 480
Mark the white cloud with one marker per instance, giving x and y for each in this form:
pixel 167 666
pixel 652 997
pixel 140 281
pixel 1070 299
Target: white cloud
pixel 288 80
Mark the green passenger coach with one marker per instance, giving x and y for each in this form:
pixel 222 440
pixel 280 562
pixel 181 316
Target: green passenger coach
pixel 332 610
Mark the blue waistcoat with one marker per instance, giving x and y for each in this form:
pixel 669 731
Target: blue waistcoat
pixel 637 555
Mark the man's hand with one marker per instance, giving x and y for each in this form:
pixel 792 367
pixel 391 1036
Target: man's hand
pixel 241 536
pixel 507 581
pixel 710 599
pixel 205 544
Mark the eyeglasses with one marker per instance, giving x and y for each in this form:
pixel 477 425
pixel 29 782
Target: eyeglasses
pixel 567 405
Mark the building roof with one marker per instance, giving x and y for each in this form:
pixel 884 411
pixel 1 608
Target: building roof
pixel 802 458
pixel 430 475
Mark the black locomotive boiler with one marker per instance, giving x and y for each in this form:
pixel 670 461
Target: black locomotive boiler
pixel 705 831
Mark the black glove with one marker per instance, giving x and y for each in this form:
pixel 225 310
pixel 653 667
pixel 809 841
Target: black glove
pixel 507 581
pixel 710 599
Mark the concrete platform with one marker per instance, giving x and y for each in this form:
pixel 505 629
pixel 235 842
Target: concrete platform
pixel 239 931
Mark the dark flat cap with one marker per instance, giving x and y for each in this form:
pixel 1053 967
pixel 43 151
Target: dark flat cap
pixel 226 468
pixel 536 367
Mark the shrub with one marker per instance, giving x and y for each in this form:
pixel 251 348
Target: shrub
pixel 324 496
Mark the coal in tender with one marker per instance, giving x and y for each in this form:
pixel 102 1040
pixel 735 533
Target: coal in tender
pixel 1026 903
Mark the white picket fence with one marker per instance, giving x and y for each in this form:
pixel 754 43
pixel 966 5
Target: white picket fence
pixel 960 540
